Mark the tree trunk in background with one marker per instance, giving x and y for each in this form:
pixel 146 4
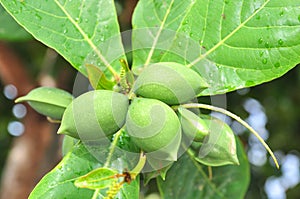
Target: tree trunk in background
pixel 126 15
pixel 23 165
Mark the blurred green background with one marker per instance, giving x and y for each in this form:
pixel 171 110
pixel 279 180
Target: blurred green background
pixel 272 108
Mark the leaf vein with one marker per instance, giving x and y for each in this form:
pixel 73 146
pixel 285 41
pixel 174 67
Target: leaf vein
pixel 86 38
pixel 158 34
pixel 229 35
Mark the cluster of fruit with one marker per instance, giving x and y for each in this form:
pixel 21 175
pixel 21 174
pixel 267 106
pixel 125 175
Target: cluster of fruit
pixel 151 113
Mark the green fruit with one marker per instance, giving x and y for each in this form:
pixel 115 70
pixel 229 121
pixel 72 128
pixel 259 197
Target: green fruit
pixel 48 101
pixel 154 127
pixel 219 147
pixel 94 115
pixel 169 82
pixel 192 125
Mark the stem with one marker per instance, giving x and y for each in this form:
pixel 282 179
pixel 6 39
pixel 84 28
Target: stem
pixel 112 149
pixel 237 118
pixel 210 174
pixel 140 165
pixel 53 120
pixel 95 195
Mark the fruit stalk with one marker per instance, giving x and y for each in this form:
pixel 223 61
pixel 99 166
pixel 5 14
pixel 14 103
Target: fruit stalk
pixel 237 118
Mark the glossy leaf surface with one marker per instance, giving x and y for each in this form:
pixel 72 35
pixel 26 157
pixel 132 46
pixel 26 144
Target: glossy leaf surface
pixel 81 31
pixel 59 183
pixel 10 30
pixel 188 179
pixel 232 44
pixel 48 101
pixel 97 179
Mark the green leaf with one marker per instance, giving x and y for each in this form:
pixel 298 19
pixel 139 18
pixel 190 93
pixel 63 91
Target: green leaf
pixel 131 190
pixel 81 31
pixel 99 178
pixel 59 183
pixel 48 101
pixel 188 179
pixel 84 158
pixel 10 30
pixel 153 174
pixel 98 79
pixel 233 44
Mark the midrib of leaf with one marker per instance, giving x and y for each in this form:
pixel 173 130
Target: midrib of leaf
pixel 158 33
pixel 205 177
pixel 181 23
pixel 96 193
pixel 227 37
pixel 205 24
pixel 88 40
pixel 108 159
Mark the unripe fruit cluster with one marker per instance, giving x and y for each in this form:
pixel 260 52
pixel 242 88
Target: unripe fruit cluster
pixel 149 120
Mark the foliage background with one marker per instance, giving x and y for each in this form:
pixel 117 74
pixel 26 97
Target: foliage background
pixel 280 99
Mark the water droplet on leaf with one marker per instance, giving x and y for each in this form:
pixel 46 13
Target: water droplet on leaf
pixel 261 54
pixel 260 40
pixel 267 45
pixel 264 61
pixel 277 65
pixel 281 13
pixel 249 83
pixel 38 17
pixel 280 41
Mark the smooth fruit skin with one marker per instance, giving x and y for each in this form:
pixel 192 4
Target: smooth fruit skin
pixel 169 82
pixel 94 115
pixel 154 127
pixel 48 101
pixel 192 125
pixel 219 146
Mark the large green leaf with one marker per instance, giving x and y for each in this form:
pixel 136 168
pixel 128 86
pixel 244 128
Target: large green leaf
pixel 81 31
pixel 188 179
pixel 59 183
pixel 9 29
pixel 232 43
